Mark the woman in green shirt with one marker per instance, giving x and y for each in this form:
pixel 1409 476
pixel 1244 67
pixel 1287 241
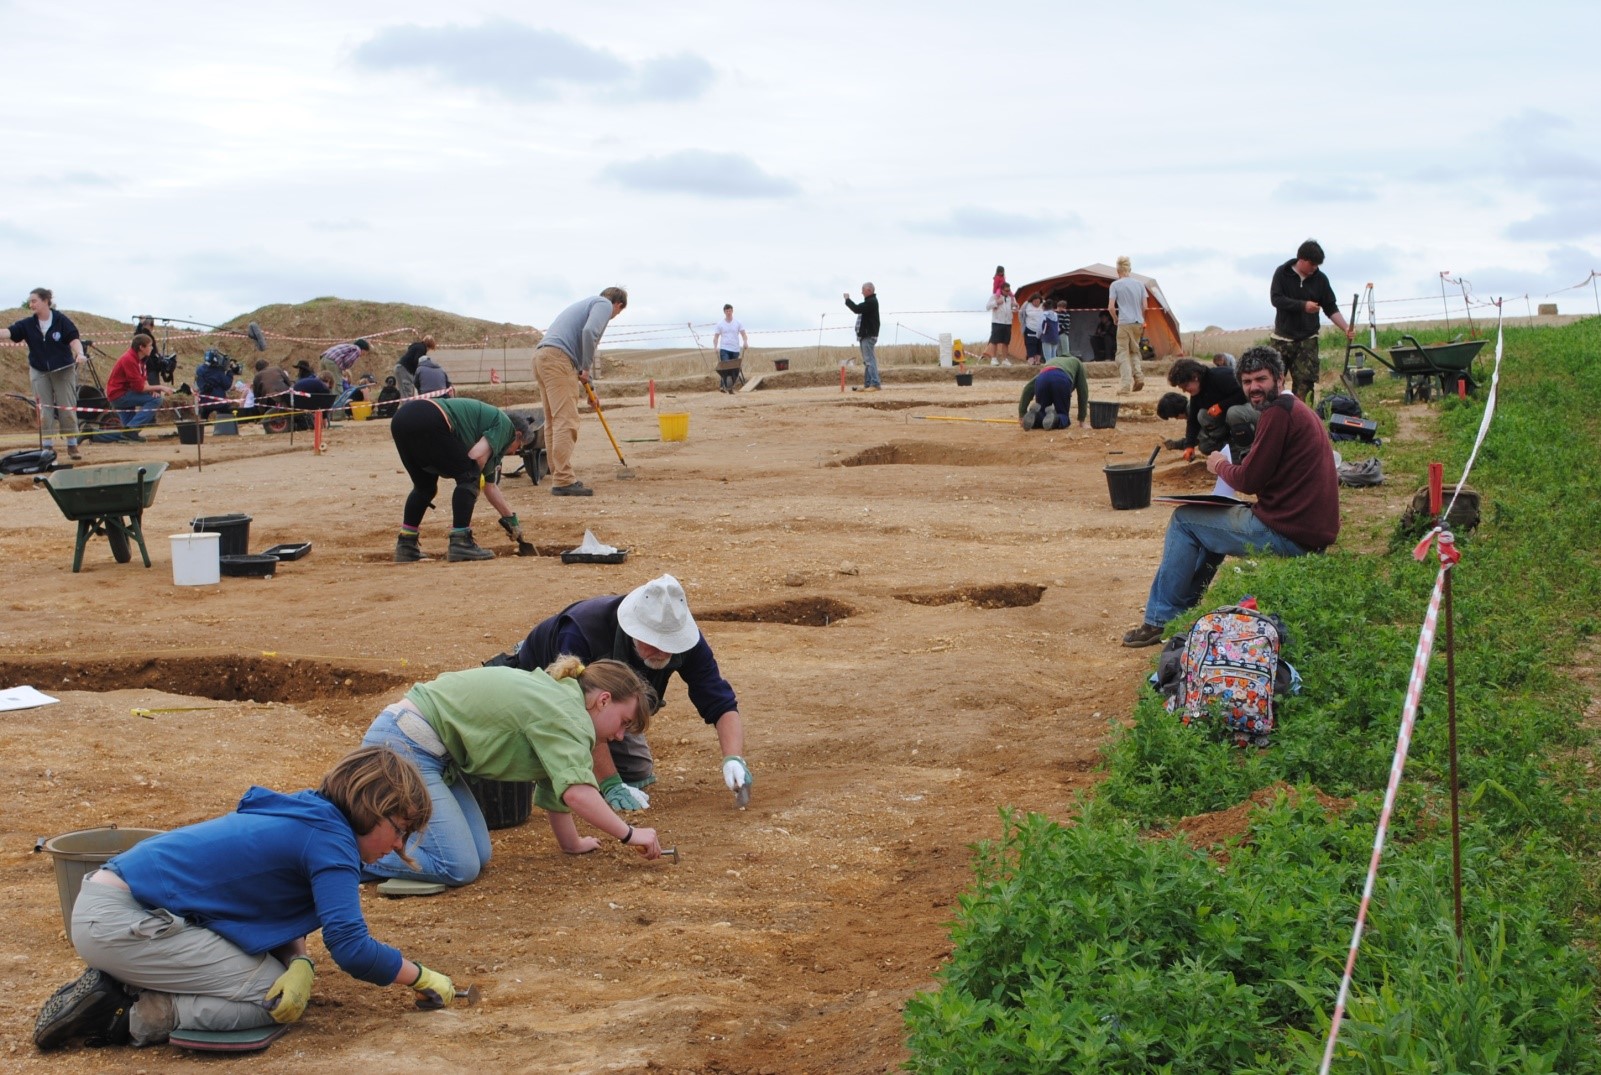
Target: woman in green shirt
pixel 508 724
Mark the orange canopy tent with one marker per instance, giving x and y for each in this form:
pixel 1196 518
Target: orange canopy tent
pixel 1086 291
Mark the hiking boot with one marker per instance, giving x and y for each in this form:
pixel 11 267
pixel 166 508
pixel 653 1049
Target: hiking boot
pixel 73 453
pixel 463 547
pixel 133 435
pixel 575 489
pixel 93 1005
pixel 1048 419
pixel 1146 634
pixel 407 551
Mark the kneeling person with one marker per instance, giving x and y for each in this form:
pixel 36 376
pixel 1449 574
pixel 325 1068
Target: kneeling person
pixel 1046 399
pixel 1217 413
pixel 651 630
pixel 204 927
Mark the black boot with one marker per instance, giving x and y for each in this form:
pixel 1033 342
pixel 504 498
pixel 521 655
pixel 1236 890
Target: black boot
pixel 463 547
pixel 94 1006
pixel 407 551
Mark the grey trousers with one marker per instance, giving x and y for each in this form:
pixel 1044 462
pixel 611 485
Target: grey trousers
pixel 634 761
pixel 214 984
pixel 57 393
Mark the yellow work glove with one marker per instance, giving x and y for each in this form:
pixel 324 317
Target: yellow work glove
pixel 434 990
pixel 287 998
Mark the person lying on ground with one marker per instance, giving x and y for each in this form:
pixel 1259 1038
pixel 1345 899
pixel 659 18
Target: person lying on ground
pixel 651 630
pixel 134 398
pixel 1217 412
pixel 1047 399
pixel 463 439
pixel 204 927
pixel 1291 473
pixel 506 724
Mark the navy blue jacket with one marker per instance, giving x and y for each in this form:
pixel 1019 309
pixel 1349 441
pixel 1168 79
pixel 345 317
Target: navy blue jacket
pixel 47 354
pixel 588 630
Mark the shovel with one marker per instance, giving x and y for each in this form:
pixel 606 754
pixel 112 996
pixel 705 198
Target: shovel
pixel 623 471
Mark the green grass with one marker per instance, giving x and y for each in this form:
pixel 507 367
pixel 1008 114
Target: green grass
pixel 1104 946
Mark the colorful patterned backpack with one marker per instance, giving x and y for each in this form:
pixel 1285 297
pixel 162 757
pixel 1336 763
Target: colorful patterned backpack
pixel 1227 672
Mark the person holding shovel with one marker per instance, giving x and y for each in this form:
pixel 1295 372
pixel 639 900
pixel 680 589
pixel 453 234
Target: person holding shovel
pixel 652 631
pixel 462 439
pixel 204 927
pixel 562 362
pixel 503 723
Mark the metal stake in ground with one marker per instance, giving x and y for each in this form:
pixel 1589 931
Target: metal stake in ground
pixel 623 471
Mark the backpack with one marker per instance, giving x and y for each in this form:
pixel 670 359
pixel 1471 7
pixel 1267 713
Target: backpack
pixel 1464 515
pixel 1228 668
pixel 31 461
pixel 1051 329
pixel 1338 404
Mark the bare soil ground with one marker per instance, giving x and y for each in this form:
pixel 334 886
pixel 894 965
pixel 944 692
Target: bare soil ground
pixel 921 619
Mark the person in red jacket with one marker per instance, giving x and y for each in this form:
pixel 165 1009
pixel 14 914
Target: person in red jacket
pixel 129 391
pixel 1291 473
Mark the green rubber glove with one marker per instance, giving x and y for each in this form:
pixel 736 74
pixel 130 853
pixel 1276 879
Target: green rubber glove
pixel 512 527
pixel 287 998
pixel 621 796
pixel 434 990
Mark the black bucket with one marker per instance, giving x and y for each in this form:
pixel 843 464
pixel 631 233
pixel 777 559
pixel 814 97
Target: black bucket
pixel 191 433
pixel 964 379
pixel 235 531
pixel 780 364
pixel 1129 484
pixel 504 803
pixel 1103 416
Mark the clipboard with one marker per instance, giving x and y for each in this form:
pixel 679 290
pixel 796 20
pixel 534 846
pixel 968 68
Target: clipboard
pixel 1202 500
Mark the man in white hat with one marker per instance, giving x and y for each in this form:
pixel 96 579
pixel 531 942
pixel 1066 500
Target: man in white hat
pixel 651 630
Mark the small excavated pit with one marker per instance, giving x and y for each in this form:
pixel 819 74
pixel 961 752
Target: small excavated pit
pixel 930 454
pixel 1001 595
pixel 221 677
pixel 800 612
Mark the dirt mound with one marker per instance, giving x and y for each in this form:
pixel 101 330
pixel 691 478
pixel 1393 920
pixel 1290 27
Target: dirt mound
pixel 1211 830
pixel 335 319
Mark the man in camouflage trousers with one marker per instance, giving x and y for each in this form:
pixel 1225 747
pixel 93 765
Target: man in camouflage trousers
pixel 1299 291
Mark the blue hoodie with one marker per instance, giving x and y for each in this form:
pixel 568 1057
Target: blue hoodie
pixel 281 867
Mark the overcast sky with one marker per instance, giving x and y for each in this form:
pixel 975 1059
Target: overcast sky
pixel 501 160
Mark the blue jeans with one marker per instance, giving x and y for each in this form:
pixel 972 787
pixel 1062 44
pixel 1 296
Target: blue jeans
pixel 454 848
pixel 146 402
pixel 1048 351
pixel 869 361
pixel 1193 535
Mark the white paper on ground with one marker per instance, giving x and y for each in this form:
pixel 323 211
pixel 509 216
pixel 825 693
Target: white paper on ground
pixel 1222 488
pixel 591 546
pixel 23 698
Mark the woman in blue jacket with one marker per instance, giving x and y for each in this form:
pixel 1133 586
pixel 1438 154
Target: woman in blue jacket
pixel 204 927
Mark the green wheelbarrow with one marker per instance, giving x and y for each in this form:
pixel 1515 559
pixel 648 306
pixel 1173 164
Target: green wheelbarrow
pixel 109 500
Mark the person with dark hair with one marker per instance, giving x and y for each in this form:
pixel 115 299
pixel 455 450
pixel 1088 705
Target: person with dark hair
pixel 341 357
pixel 1298 291
pixel 388 399
pixel 54 352
pixel 731 343
pixel 563 363
pixel 867 329
pixel 1291 473
pixel 128 391
pixel 1046 399
pixel 1002 307
pixel 462 439
pixel 651 630
pixel 406 368
pixel 204 927
pixel 1104 339
pixel 1218 413
pixel 271 386
pixel 506 724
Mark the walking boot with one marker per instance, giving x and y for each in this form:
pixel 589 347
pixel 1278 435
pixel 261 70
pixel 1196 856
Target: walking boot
pixel 463 547
pixel 407 551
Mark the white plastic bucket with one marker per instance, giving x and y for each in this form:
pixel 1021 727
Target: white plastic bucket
pixel 196 559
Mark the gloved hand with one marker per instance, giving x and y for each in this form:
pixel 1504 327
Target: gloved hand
pixel 1189 453
pixel 287 998
pixel 433 988
pixel 737 775
pixel 1215 410
pixel 621 796
pixel 512 527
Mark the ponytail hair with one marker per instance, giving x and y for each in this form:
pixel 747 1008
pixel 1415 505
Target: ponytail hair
pixel 622 682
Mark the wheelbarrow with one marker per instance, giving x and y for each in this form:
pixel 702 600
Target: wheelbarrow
pixel 109 500
pixel 1424 366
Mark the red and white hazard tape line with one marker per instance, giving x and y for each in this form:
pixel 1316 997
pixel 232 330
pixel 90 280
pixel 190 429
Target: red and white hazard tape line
pixel 1449 557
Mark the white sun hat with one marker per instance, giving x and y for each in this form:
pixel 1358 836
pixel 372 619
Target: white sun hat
pixel 657 614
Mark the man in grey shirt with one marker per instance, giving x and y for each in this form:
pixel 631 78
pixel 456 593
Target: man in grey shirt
pixel 1125 300
pixel 562 362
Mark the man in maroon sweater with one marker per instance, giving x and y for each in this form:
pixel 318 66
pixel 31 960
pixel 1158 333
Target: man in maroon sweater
pixel 1290 471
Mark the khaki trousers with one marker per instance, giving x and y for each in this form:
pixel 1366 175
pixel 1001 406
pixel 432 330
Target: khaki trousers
pixel 1128 357
pixel 559 389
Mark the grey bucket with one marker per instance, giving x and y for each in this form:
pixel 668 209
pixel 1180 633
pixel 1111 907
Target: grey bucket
pixel 79 854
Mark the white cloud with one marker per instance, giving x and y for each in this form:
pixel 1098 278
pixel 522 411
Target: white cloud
pixel 700 172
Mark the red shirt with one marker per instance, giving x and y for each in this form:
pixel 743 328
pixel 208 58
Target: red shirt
pixel 128 375
pixel 1290 471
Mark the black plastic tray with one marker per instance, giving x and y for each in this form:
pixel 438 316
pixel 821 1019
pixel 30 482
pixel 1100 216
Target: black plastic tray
pixel 292 551
pixel 594 558
pixel 248 566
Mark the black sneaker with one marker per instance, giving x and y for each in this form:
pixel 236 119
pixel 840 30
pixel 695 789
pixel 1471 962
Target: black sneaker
pixel 92 1006
pixel 575 489
pixel 133 435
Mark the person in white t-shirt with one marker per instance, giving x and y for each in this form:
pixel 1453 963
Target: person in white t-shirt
pixel 1001 306
pixel 731 343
